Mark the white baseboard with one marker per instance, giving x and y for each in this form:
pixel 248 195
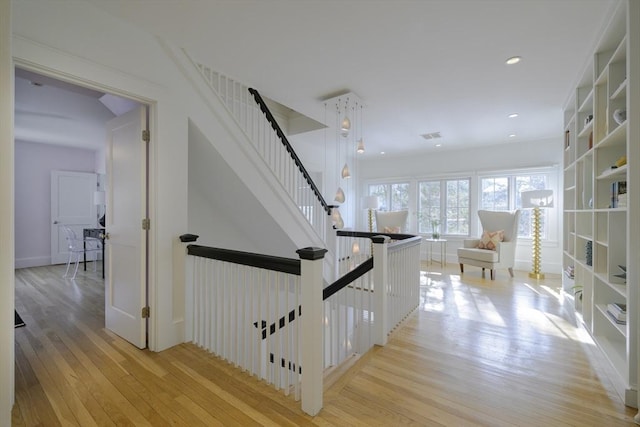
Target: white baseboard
pixel 32 262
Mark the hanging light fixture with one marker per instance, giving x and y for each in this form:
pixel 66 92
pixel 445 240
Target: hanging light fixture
pixel 355 248
pixel 345 126
pixel 360 147
pixel 345 172
pixel 349 141
pixel 337 218
pixel 335 214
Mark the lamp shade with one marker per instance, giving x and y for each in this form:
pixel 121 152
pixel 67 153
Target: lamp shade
pixel 340 198
pixel 98 198
pixel 360 148
pixel 370 202
pixel 537 199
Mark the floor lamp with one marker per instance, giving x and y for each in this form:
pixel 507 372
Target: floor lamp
pixel 536 200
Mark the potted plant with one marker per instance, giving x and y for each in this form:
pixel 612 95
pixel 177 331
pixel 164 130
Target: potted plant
pixel 435 231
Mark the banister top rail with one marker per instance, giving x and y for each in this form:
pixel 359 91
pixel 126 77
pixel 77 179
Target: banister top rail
pixel 401 244
pixel 267 262
pixel 290 150
pixel 367 234
pixel 348 278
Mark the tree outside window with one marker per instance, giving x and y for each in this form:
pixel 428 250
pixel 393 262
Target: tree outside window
pixel 457 205
pixel 451 194
pixel 391 197
pixel 428 206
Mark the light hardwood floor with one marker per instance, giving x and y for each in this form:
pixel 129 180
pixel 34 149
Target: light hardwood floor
pixel 477 352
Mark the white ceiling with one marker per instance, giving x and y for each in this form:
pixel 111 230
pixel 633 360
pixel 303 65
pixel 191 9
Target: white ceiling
pixel 51 111
pixel 419 66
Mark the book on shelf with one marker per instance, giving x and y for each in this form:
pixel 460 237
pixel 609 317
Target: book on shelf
pixel 617 311
pixel 616 319
pixel 570 271
pixel 619 188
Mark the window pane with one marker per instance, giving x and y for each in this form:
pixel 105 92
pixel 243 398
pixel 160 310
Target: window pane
pixel 525 183
pixel 457 207
pixel 399 196
pixel 382 191
pixel 428 206
pixel 495 194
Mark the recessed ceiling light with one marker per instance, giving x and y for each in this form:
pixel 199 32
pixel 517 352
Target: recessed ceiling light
pixel 513 115
pixel 382 152
pixel 438 145
pixel 513 135
pixel 513 60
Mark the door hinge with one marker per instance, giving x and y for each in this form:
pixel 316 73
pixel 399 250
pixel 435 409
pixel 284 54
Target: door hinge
pixel 146 136
pixel 146 223
pixel 146 312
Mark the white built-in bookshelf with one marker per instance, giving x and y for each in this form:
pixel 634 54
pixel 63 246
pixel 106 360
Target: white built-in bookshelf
pixel 601 223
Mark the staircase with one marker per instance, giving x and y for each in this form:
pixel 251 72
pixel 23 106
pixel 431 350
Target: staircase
pixel 270 162
pixel 252 115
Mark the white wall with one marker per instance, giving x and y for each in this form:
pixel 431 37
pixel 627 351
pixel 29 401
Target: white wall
pixel 113 56
pixel 222 210
pixel 75 41
pixel 471 163
pixel 33 165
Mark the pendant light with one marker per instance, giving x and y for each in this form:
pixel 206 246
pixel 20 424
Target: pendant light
pixel 340 198
pixel 345 126
pixel 345 172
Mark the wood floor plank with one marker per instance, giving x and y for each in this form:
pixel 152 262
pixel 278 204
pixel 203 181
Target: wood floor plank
pixel 477 352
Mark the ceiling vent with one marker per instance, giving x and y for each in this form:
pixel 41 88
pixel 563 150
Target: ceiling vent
pixel 432 135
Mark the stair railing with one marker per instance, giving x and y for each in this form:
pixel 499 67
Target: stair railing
pixel 253 116
pixel 272 318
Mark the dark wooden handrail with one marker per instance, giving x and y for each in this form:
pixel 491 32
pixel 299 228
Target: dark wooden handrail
pixel 347 279
pixel 289 148
pixel 267 262
pixel 368 235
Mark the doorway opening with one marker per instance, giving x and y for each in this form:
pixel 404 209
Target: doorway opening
pixel 62 126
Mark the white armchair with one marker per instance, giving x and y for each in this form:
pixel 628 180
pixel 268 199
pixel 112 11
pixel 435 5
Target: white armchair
pixel 497 246
pixel 391 222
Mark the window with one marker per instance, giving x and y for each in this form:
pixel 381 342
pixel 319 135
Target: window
pixel 391 197
pixel 503 193
pixel 443 206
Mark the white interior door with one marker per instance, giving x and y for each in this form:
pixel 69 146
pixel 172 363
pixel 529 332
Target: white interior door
pixel 71 205
pixel 126 244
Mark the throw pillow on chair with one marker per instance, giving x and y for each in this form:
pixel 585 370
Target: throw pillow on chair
pixel 490 239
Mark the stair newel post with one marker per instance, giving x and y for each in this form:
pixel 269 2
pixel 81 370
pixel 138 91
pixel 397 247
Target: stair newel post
pixel 312 322
pixel 380 285
pixel 181 257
